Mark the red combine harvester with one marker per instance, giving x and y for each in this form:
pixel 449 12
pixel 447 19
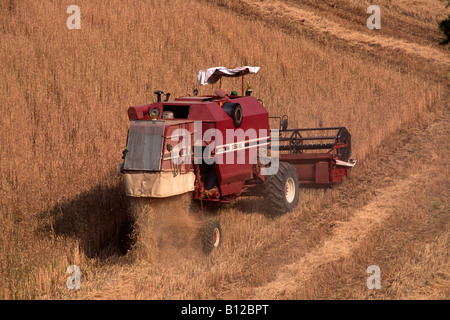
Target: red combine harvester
pixel 221 147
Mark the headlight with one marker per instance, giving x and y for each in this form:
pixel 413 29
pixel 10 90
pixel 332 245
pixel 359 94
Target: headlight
pixel 154 111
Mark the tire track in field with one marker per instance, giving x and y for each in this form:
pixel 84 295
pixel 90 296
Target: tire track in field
pixel 369 42
pixel 346 237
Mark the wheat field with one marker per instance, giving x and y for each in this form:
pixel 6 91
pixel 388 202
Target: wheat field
pixel 64 98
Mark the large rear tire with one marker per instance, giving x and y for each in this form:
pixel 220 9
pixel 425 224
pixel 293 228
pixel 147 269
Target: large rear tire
pixel 281 190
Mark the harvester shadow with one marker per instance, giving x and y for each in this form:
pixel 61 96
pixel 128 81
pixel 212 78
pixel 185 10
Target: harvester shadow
pixel 92 217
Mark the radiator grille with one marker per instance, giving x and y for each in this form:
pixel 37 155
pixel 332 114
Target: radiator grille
pixel 145 139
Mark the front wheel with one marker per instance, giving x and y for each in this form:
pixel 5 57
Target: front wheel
pixel 211 235
pixel 281 190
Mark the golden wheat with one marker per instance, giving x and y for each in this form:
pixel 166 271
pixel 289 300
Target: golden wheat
pixel 64 96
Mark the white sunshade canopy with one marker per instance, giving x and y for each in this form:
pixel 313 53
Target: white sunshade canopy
pixel 212 75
